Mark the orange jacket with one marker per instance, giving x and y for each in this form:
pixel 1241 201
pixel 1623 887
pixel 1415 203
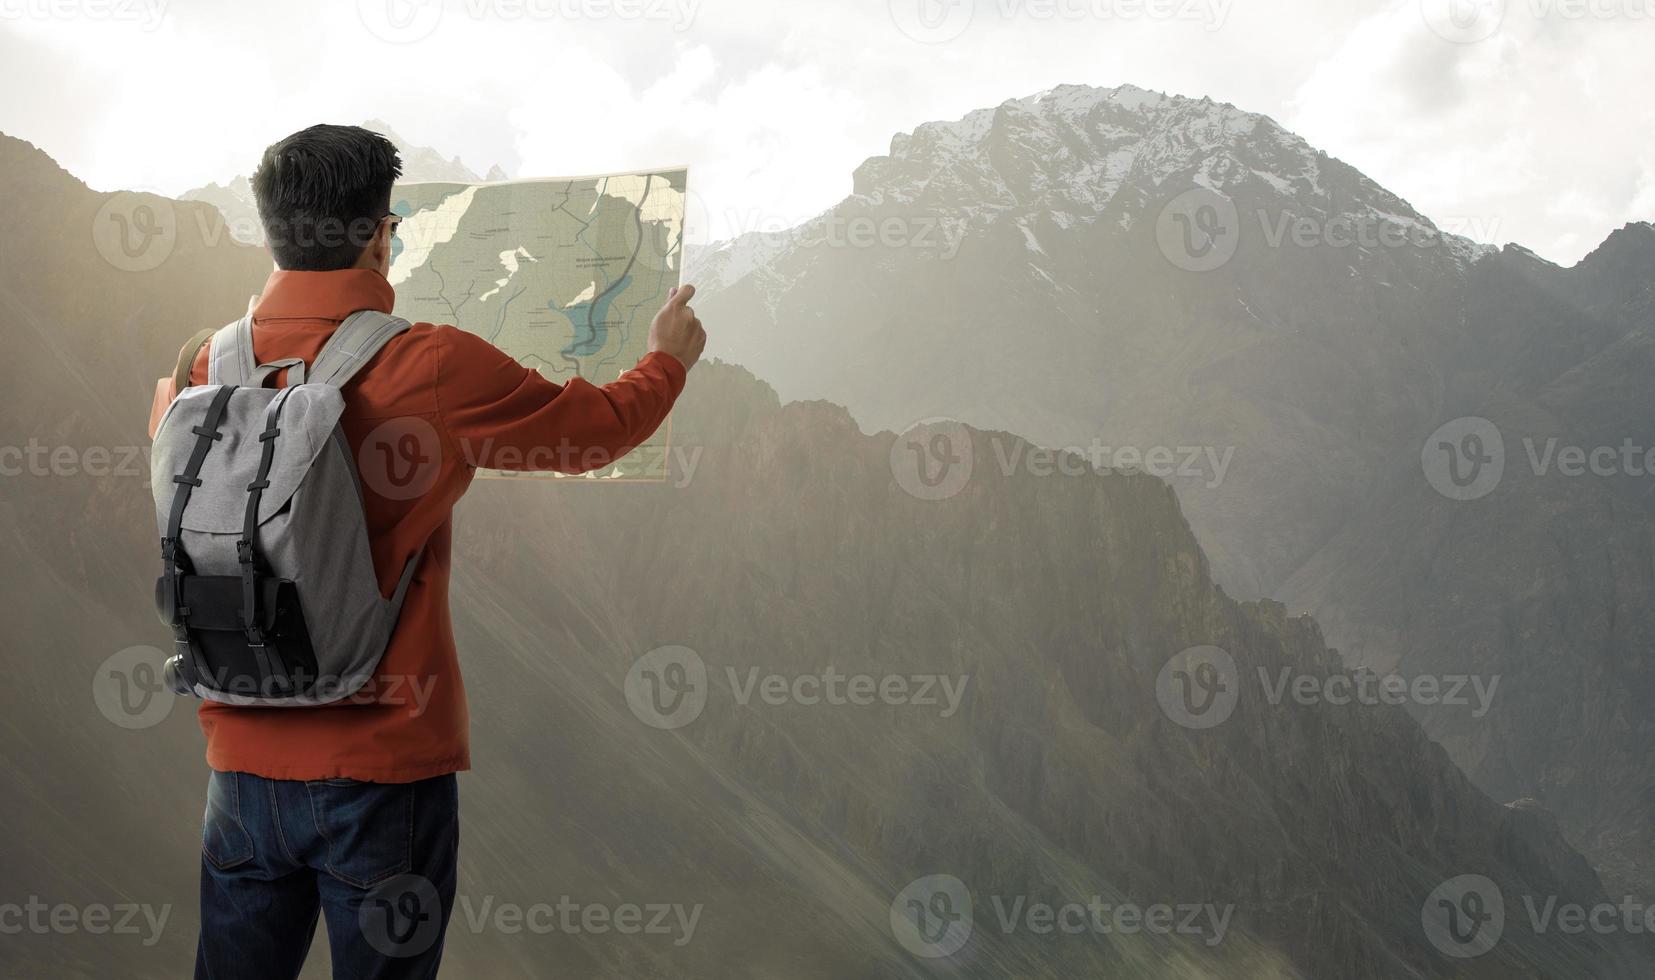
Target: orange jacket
pixel 435 404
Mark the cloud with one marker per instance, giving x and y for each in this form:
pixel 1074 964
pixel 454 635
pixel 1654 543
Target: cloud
pixel 1527 132
pixel 775 103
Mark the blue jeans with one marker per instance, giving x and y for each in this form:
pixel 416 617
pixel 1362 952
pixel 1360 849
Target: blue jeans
pixel 377 860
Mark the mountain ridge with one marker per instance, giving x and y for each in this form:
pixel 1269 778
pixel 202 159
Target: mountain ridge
pixel 1060 776
pixel 1323 363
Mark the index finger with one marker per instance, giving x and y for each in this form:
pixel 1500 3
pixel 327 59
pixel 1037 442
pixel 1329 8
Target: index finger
pixel 683 295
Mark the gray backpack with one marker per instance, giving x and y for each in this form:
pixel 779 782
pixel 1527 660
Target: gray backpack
pixel 268 582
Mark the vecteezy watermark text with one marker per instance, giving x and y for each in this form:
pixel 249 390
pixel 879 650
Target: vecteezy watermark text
pixel 129 688
pixel 39 917
pixel 667 688
pixel 402 917
pixel 1366 687
pixel 1203 464
pixel 147 14
pixel 1201 229
pixel 39 459
pixel 408 21
pixel 1471 21
pixel 933 917
pixel 933 459
pixel 402 458
pixel 1200 687
pixel 940 21
pixel 1466 916
pixel 570 917
pixel 1466 458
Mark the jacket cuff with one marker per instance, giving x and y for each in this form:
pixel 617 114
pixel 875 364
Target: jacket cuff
pixel 668 365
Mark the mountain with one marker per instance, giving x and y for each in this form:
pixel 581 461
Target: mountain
pixel 1132 273
pixel 234 198
pixel 786 544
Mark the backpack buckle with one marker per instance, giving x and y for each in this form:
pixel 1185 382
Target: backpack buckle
pixel 244 551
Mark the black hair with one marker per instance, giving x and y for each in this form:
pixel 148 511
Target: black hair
pixel 321 194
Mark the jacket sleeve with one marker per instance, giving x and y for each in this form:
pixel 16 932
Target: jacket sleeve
pixel 499 414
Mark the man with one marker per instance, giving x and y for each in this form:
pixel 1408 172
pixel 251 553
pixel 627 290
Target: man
pixel 350 811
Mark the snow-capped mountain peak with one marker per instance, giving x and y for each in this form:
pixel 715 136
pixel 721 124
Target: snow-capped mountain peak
pixel 1075 154
pixel 1073 147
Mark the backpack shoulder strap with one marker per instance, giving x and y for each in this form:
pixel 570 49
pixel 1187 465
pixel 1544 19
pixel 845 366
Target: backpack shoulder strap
pixel 353 345
pixel 186 358
pixel 230 358
pixel 294 366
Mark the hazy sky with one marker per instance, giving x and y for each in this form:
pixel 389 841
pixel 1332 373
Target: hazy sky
pixel 1529 119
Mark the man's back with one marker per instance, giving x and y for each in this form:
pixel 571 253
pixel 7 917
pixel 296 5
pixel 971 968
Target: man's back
pixel 432 406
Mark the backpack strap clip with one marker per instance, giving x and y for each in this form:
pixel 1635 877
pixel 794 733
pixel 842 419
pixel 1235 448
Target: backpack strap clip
pixel 231 360
pixel 272 681
pixel 175 561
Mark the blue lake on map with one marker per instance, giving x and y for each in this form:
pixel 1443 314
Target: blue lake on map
pixel 588 318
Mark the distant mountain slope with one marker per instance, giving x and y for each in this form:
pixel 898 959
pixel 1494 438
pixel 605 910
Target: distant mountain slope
pixel 1315 343
pixel 234 198
pixel 790 548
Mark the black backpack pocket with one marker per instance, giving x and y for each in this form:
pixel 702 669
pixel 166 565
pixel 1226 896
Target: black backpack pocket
pixel 211 606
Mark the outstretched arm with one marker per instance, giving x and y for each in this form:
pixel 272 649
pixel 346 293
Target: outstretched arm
pixel 501 415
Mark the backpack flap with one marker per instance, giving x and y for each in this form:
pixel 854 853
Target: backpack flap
pixel 307 422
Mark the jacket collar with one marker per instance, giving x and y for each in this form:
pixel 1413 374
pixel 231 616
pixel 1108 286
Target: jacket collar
pixel 323 295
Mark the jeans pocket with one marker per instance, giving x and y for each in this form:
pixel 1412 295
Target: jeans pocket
pixel 224 838
pixel 368 828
